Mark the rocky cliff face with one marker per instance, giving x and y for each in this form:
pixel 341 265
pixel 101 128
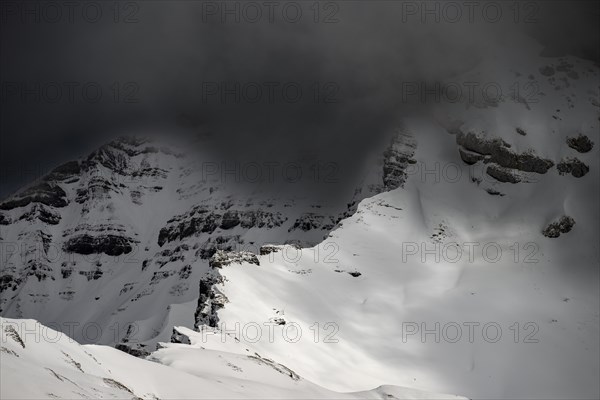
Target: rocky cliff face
pixel 132 229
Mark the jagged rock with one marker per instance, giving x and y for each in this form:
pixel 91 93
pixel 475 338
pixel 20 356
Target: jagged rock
pixel 269 248
pixel 481 145
pixel 498 151
pixel 230 220
pixel 469 157
pixel 226 243
pixel 168 256
pixel 92 275
pixel 39 270
pixel 207 251
pixel 209 302
pixel 502 174
pixel 9 282
pixel 109 244
pixel 563 225
pixel 521 132
pixel 159 276
pixel 68 170
pixel 41 213
pixel 66 272
pixel 5 219
pixel 46 193
pixel 185 272
pixel 178 337
pixel 572 166
pixel 112 160
pixel 397 157
pixel 581 143
pixel 309 221
pixel 222 258
pixel 136 350
pixel 96 187
pixel 202 220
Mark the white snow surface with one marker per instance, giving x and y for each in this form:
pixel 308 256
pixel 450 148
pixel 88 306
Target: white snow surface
pixel 38 362
pixel 385 299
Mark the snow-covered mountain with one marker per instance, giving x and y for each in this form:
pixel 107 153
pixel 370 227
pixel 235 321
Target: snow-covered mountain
pixel 62 368
pixel 464 261
pixel 131 229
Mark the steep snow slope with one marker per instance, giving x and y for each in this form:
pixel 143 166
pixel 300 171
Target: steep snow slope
pixel 463 281
pixel 104 247
pixel 38 362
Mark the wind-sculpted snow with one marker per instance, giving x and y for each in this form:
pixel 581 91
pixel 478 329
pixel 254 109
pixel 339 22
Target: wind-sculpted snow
pixel 38 362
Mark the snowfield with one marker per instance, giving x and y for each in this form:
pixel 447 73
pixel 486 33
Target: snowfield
pixel 38 362
pixel 465 261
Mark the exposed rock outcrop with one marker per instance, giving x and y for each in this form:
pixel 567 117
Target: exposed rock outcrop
pixel 396 160
pixel 42 214
pixel 209 301
pixel 581 143
pixel 109 244
pixel 68 171
pixel 178 337
pixel 270 248
pixel 496 150
pixel 573 166
pixel 46 193
pixel 136 350
pixel 5 219
pixel 8 281
pixel 563 225
pixel 222 258
pixel 309 221
pixel 502 174
pixel 470 157
pixel 201 219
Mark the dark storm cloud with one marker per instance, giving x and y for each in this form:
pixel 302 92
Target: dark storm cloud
pixel 281 86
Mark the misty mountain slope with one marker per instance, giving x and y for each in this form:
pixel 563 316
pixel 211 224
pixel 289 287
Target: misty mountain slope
pixel 121 237
pixel 496 230
pixel 476 273
pixel 62 368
